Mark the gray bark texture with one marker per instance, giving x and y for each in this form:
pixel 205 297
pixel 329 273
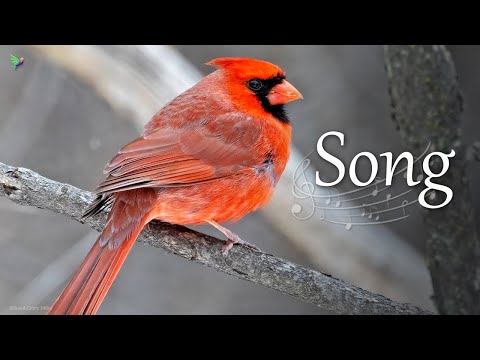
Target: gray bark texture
pixel 427 105
pixel 26 187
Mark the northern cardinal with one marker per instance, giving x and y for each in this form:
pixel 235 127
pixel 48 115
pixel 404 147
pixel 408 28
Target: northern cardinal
pixel 213 154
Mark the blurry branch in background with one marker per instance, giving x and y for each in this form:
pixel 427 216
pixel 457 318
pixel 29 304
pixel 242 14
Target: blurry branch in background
pixel 427 106
pixel 137 80
pixel 26 187
pixel 133 89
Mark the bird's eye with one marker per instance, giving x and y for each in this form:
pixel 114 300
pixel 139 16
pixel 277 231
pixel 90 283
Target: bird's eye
pixel 255 84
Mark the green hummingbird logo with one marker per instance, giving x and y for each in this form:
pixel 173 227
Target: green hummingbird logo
pixel 16 62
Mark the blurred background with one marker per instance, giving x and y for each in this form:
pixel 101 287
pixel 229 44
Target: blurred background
pixel 67 111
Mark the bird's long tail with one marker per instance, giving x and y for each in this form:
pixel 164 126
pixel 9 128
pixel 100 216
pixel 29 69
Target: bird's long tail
pixel 89 285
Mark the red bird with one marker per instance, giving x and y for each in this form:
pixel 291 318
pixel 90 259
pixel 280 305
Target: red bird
pixel 211 155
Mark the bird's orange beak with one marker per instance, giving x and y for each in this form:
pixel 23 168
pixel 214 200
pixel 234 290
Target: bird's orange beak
pixel 283 93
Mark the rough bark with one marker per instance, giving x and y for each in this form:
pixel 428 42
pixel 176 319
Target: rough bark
pixel 426 106
pixel 26 187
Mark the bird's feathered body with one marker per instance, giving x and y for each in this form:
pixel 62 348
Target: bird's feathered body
pixel 213 154
pixel 196 160
pixel 16 62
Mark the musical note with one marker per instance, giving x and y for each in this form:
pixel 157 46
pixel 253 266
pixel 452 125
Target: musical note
pixel 373 210
pixel 377 181
pixel 348 225
pixel 329 200
pixel 420 177
pixel 432 195
pixel 370 212
pixel 404 203
pixel 322 214
pixel 389 196
pixel 363 212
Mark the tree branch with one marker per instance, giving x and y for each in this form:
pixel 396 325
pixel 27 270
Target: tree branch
pixel 426 106
pixel 26 187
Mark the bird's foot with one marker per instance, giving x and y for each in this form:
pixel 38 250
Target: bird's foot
pixel 235 239
pixel 232 239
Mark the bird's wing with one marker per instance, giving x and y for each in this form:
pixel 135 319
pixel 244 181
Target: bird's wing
pixel 14 60
pixel 168 157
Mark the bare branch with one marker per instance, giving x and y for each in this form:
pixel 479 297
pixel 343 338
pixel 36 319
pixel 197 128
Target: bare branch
pixel 26 187
pixel 427 106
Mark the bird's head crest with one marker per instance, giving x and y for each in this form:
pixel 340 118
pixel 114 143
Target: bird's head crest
pixel 247 67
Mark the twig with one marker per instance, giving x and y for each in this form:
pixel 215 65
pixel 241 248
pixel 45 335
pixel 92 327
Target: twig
pixel 427 106
pixel 26 187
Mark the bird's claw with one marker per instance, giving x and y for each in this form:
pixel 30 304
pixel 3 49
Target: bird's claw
pixel 236 240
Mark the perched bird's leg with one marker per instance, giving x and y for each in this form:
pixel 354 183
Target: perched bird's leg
pixel 232 238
